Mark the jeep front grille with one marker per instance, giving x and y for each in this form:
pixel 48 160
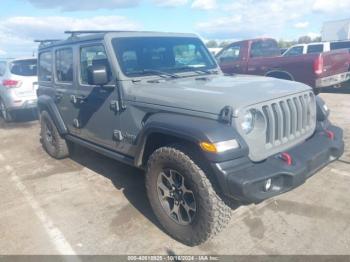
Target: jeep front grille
pixel 288 118
pixel 288 121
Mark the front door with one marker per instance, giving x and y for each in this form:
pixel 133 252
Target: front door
pixel 98 115
pixel 230 60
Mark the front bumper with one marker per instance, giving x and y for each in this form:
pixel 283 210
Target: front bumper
pixel 333 80
pixel 244 180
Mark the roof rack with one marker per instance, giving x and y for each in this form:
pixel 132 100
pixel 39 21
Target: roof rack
pixel 84 32
pixel 47 41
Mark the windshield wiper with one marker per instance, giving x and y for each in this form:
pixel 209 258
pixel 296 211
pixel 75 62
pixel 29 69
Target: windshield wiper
pixel 198 70
pixel 157 72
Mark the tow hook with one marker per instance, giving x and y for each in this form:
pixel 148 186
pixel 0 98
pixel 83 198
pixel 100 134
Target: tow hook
pixel 287 158
pixel 329 134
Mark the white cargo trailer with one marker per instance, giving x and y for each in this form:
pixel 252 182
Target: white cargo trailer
pixel 336 30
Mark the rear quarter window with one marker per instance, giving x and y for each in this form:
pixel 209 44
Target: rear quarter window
pixel 45 66
pixel 340 45
pixel 24 67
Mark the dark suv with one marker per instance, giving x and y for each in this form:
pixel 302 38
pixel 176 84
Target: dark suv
pixel 158 101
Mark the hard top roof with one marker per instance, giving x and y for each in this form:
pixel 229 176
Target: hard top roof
pixel 82 36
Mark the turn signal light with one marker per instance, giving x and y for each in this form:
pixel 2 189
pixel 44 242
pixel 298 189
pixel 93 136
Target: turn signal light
pixel 219 147
pixel 208 147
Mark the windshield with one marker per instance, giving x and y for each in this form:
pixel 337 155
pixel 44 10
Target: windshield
pixel 24 67
pixel 139 56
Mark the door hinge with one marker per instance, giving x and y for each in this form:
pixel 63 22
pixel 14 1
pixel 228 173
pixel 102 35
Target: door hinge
pixel 114 106
pixel 118 136
pixel 76 123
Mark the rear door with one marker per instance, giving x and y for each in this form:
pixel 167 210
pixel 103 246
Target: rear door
pixel 98 119
pixel 55 69
pixel 231 59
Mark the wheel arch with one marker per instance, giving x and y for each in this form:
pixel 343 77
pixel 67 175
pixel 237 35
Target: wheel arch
pixel 46 103
pixel 280 74
pixel 164 129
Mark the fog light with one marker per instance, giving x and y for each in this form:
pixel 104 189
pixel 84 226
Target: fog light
pixel 268 184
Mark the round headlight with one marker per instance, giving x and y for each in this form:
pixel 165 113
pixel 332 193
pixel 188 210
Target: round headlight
pixel 247 124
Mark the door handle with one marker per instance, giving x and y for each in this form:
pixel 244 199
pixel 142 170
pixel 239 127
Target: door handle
pixel 58 96
pixel 78 99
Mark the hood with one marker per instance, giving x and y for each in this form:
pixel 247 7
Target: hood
pixel 211 93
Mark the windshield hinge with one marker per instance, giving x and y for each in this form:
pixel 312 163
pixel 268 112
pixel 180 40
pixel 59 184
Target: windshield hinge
pixel 226 114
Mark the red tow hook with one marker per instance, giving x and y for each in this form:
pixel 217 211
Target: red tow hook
pixel 329 134
pixel 287 158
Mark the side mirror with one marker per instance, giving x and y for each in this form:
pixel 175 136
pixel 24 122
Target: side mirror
pixel 98 75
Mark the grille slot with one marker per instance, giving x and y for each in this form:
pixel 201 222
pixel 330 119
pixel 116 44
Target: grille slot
pixel 288 119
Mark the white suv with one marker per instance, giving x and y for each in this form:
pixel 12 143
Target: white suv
pixel 18 84
pixel 317 47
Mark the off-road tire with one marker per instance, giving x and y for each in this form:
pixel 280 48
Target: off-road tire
pixel 212 214
pixel 6 115
pixel 58 148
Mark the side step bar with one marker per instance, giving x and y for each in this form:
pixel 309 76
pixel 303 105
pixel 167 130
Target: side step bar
pixel 104 151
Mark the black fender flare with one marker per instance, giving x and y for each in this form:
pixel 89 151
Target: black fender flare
pixel 45 102
pixel 192 129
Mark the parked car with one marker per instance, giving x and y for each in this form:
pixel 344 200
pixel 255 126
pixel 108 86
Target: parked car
pixel 18 84
pixel 159 102
pixel 262 57
pixel 318 47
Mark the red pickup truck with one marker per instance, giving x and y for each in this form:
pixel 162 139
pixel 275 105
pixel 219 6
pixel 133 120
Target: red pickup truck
pixel 263 57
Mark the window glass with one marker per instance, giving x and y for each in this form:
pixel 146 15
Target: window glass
pixel 264 48
pixel 94 55
pixel 230 54
pixel 64 65
pixel 2 68
pixel 139 56
pixel 45 66
pixel 24 67
pixel 340 45
pixel 314 49
pixel 294 51
pixel 188 55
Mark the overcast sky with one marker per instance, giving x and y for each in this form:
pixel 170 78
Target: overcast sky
pixel 22 21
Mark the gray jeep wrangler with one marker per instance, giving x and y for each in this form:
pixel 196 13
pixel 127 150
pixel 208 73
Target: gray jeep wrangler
pixel 159 101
